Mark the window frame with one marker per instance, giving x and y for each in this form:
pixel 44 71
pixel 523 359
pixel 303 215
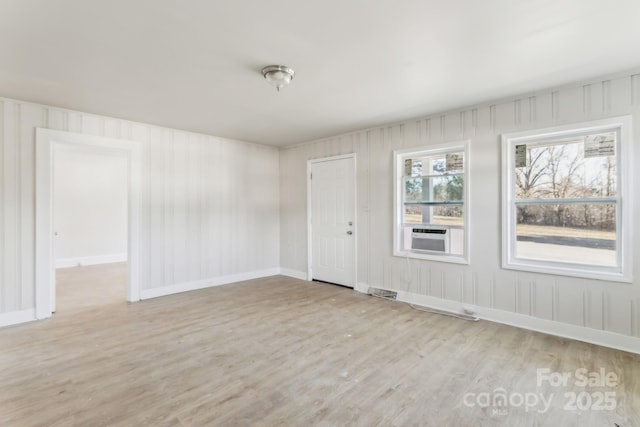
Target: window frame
pixel 622 272
pixel 399 157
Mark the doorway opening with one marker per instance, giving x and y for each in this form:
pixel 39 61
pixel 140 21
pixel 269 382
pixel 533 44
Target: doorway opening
pixel 49 145
pixel 90 197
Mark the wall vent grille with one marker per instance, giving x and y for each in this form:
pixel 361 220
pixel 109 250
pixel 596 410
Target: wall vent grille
pixel 383 293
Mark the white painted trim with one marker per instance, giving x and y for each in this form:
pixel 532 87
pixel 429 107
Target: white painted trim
pixel 361 287
pixel 206 283
pixel 398 167
pixel 90 260
pixel 47 142
pixel 332 158
pixel 624 222
pixel 16 317
pixel 309 225
pixel 560 329
pixel 310 163
pixel 293 273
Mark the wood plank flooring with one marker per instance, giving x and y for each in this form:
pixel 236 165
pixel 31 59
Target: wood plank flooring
pixel 284 352
pixel 90 286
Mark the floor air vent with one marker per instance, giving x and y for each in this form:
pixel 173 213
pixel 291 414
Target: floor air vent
pixel 383 293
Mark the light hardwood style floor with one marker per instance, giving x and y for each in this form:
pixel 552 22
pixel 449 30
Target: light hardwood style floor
pixel 90 286
pixel 284 352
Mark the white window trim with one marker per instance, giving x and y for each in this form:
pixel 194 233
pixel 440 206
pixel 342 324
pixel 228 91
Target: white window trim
pixel 624 220
pixel 398 166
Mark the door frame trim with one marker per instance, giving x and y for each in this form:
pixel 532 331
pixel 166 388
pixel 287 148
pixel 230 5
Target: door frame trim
pixel 310 163
pixel 48 141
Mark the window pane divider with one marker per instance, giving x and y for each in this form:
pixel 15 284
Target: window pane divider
pixel 439 175
pixel 460 203
pixel 568 201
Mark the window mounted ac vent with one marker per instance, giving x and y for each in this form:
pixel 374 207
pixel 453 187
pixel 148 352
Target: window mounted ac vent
pixel 383 293
pixel 430 239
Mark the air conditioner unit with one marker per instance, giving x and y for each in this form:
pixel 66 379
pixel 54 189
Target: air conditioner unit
pixel 430 239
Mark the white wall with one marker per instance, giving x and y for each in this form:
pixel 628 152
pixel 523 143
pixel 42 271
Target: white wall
pixel 211 211
pixel 209 205
pixel 592 310
pixel 90 207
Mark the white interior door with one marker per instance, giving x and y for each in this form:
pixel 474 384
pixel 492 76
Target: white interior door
pixel 333 209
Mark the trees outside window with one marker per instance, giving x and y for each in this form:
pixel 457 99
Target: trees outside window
pixel 431 193
pixel 563 192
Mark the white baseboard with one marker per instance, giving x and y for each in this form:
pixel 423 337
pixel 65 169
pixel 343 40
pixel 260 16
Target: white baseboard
pixel 15 317
pixel 560 329
pixel 90 260
pixel 293 273
pixel 361 287
pixel 206 283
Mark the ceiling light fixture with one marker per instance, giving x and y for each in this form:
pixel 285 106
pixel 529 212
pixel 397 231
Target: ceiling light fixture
pixel 278 75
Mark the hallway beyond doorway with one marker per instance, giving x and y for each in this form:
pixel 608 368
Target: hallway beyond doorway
pixel 91 286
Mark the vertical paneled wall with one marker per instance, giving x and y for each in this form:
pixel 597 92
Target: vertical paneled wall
pixel 210 206
pixel 607 306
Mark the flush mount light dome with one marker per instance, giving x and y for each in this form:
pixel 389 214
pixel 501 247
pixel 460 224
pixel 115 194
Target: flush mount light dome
pixel 278 75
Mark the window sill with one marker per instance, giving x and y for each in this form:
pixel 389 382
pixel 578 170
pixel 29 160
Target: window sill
pixel 570 271
pixel 453 259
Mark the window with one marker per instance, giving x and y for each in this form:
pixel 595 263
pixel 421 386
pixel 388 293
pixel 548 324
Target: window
pixel 431 209
pixel 563 194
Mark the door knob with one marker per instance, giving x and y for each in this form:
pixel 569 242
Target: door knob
pixel 349 232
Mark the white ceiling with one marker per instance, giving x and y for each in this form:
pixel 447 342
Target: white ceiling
pixel 195 64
